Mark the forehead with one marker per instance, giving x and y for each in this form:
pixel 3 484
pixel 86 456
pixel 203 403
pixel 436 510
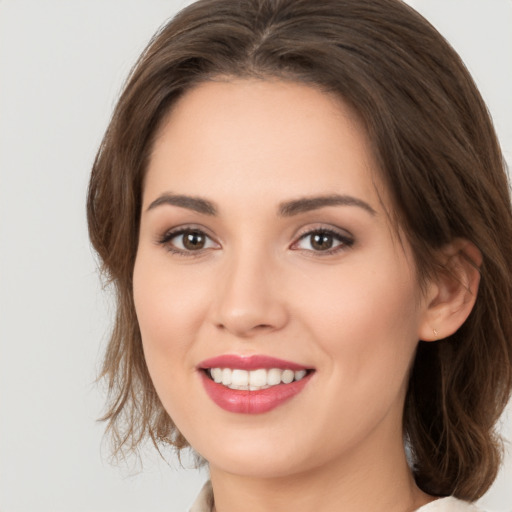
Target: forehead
pixel 264 137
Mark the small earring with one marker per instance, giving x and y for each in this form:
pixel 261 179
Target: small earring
pixel 436 334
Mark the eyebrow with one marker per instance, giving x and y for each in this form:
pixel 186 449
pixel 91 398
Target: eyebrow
pixel 192 203
pixel 286 209
pixel 306 204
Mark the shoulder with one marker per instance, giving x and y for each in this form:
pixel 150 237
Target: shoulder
pixel 204 501
pixel 449 504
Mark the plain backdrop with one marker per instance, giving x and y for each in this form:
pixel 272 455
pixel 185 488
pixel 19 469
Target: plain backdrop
pixel 62 64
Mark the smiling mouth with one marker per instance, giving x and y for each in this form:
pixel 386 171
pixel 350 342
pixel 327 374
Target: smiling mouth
pixel 253 384
pixel 254 380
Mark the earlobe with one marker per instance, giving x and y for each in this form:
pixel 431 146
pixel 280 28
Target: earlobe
pixel 453 291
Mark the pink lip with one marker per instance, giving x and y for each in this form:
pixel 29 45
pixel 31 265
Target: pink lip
pixel 253 362
pixel 250 402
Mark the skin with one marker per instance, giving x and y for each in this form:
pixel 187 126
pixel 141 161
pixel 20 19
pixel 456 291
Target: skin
pixel 259 286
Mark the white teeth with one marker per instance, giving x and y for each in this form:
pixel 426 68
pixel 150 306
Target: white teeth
pixel 217 374
pixel 255 379
pixel 258 378
pixel 300 374
pixel 240 378
pixel 274 376
pixel 226 376
pixel 287 376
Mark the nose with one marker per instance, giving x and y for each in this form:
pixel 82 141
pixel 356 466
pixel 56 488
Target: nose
pixel 249 300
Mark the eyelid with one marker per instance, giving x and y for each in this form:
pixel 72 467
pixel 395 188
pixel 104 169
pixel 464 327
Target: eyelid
pixel 345 237
pixel 166 238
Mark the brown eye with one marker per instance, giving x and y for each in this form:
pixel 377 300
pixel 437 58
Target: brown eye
pixel 185 241
pixel 194 240
pixel 322 241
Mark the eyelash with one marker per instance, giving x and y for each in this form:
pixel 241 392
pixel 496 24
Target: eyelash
pixel 167 238
pixel 345 241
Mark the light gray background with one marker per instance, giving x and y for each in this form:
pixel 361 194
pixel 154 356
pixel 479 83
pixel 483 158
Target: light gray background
pixel 62 64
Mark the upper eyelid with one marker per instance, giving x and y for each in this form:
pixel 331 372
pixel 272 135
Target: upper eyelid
pixel 344 233
pixel 305 231
pixel 345 238
pixel 178 230
pixel 166 240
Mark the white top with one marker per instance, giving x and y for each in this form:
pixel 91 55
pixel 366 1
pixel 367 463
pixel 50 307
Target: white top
pixel 204 503
pixel 449 504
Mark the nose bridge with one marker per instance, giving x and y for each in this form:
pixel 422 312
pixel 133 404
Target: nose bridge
pixel 248 301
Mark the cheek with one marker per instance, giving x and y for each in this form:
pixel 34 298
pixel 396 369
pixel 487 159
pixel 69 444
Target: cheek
pixel 166 302
pixel 365 325
pixel 366 319
pixel 169 311
pixel 168 307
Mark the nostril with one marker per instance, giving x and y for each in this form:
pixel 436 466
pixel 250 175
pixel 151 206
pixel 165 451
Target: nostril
pixel 243 327
pixel 248 314
pixel 243 332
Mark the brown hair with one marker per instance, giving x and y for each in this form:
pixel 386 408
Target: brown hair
pixel 437 152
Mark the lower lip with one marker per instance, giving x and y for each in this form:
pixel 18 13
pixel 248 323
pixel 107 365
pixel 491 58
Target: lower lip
pixel 252 402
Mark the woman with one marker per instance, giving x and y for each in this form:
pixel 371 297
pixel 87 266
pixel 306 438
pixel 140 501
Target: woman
pixel 290 196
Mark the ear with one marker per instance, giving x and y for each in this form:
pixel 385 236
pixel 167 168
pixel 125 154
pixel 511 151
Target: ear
pixel 451 294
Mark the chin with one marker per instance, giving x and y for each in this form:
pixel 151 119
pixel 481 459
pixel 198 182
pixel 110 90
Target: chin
pixel 234 452
pixel 256 454
pixel 257 465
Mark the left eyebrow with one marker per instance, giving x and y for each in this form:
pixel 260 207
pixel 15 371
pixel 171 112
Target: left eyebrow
pixel 306 204
pixel 197 204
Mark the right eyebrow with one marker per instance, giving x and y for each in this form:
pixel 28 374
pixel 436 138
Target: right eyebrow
pixel 307 204
pixel 196 204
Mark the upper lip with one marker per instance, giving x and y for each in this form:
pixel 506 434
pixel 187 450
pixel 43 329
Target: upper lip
pixel 251 362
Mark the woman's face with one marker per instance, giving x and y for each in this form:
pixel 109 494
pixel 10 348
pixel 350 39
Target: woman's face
pixel 265 255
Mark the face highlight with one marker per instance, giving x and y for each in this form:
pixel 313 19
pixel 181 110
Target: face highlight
pixel 276 307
